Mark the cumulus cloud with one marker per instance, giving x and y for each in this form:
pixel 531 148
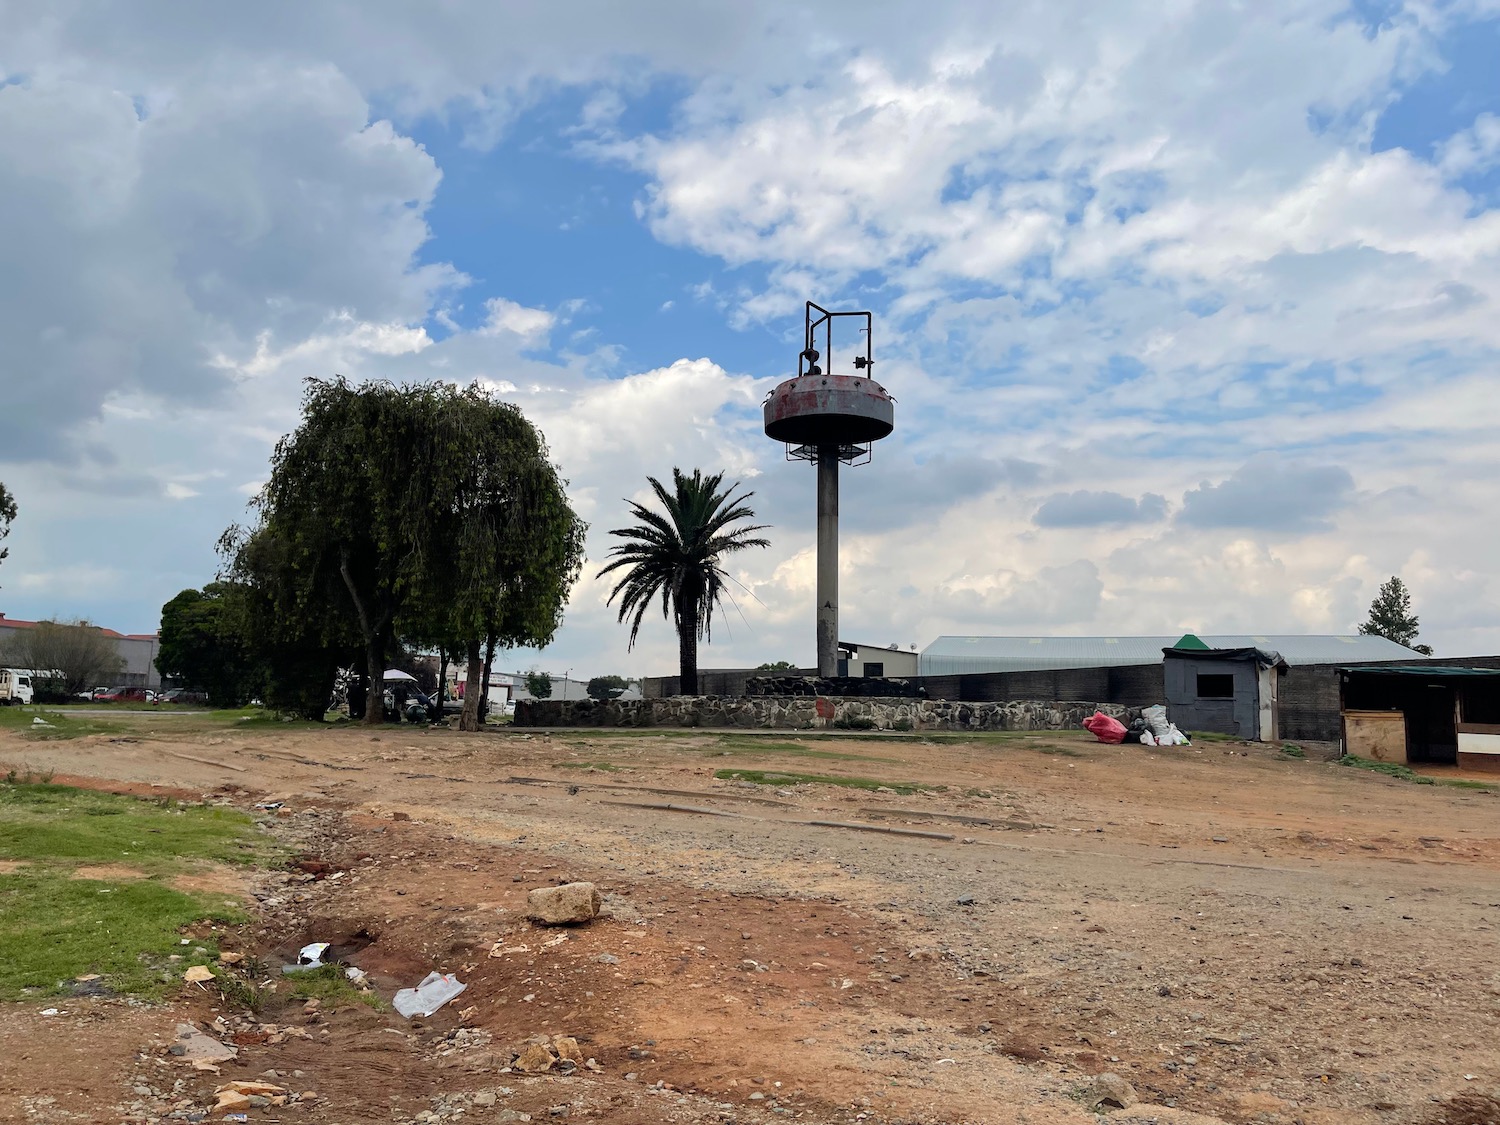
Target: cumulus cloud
pixel 1270 495
pixel 1113 252
pixel 141 244
pixel 1093 509
pixel 530 325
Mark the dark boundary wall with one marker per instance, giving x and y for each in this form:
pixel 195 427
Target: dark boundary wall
pixel 1136 685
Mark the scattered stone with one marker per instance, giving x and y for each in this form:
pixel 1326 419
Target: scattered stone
pixel 485 1098
pixel 965 900
pixel 1221 839
pixel 231 958
pixel 196 1047
pixel 567 1049
pixel 1110 1091
pixel 566 905
pixel 535 1059
pixel 198 974
pixel 607 959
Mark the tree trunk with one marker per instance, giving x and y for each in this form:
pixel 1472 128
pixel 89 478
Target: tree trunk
pixel 375 662
pixel 442 688
pixel 687 651
pixel 489 664
pixel 469 719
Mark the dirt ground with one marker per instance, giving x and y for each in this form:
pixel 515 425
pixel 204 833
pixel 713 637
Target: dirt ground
pixel 1240 936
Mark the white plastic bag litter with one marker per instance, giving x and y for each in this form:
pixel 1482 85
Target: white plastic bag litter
pixel 1175 737
pixel 309 957
pixel 1156 719
pixel 435 990
pixel 1147 738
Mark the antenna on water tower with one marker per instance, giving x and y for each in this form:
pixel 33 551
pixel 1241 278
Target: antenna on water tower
pixel 828 419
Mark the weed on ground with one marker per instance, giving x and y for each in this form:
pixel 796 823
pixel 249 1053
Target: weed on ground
pixel 775 777
pixel 1390 769
pixel 329 985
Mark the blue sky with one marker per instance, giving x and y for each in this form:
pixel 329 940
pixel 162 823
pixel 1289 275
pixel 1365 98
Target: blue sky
pixel 1189 311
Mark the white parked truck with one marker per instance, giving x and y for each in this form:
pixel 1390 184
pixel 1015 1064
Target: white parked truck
pixel 15 686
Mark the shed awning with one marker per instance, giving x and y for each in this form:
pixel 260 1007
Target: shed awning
pixel 1230 655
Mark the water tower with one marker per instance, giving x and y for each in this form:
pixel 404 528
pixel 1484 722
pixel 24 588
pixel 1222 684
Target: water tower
pixel 830 419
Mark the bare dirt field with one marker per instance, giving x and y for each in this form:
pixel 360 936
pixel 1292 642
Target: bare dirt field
pixel 1239 935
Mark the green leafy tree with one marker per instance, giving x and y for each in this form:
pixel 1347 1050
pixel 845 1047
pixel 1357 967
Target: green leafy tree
pixel 776 666
pixel 202 645
pixel 1391 617
pixel 675 555
pixel 509 544
pixel 295 640
pixel 427 513
pixel 605 688
pixel 65 657
pixel 539 684
pixel 7 517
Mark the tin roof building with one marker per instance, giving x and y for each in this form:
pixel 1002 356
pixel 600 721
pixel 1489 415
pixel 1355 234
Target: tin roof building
pixel 957 656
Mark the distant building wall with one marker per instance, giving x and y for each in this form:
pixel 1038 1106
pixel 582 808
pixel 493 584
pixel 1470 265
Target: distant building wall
pixel 138 651
pixel 711 681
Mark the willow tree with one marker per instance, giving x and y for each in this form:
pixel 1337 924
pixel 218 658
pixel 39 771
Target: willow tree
pixel 675 554
pixel 509 544
pixel 426 510
pixel 7 517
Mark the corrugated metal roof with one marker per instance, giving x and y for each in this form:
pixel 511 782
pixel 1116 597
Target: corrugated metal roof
pixel 952 656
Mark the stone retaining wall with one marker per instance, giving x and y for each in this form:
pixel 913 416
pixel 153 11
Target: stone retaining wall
pixel 811 712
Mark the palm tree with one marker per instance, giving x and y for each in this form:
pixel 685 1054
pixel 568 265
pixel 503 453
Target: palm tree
pixel 676 555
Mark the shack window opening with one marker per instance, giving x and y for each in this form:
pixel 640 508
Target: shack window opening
pixel 874 668
pixel 1215 687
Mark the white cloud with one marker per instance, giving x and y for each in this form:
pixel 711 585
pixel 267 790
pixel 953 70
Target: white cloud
pixel 532 325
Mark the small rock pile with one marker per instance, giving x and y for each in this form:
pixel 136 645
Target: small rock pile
pixel 539 1054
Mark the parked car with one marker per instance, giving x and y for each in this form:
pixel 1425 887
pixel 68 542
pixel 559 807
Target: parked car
pixel 182 695
pixel 126 695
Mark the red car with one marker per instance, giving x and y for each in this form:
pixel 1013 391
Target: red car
pixel 126 695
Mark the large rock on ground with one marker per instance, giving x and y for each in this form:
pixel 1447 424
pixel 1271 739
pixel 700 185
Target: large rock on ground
pixel 1110 1091
pixel 566 905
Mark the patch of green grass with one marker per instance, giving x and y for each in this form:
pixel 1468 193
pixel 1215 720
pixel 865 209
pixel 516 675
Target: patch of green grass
pixel 55 724
pixel 1390 769
pixel 1211 736
pixel 57 825
pixel 1292 750
pixel 772 777
pixel 603 767
pixel 1060 751
pixel 328 985
pixel 765 747
pixel 1465 783
pixel 53 929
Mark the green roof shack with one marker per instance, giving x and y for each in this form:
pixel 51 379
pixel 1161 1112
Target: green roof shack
pixel 1228 690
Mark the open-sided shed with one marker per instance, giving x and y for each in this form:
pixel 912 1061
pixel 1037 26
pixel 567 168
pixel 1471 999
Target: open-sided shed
pixel 1422 713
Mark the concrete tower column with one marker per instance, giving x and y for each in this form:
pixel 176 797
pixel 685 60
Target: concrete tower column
pixel 828 560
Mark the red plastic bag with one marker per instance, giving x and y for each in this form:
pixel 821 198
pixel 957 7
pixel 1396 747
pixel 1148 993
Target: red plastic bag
pixel 1104 728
